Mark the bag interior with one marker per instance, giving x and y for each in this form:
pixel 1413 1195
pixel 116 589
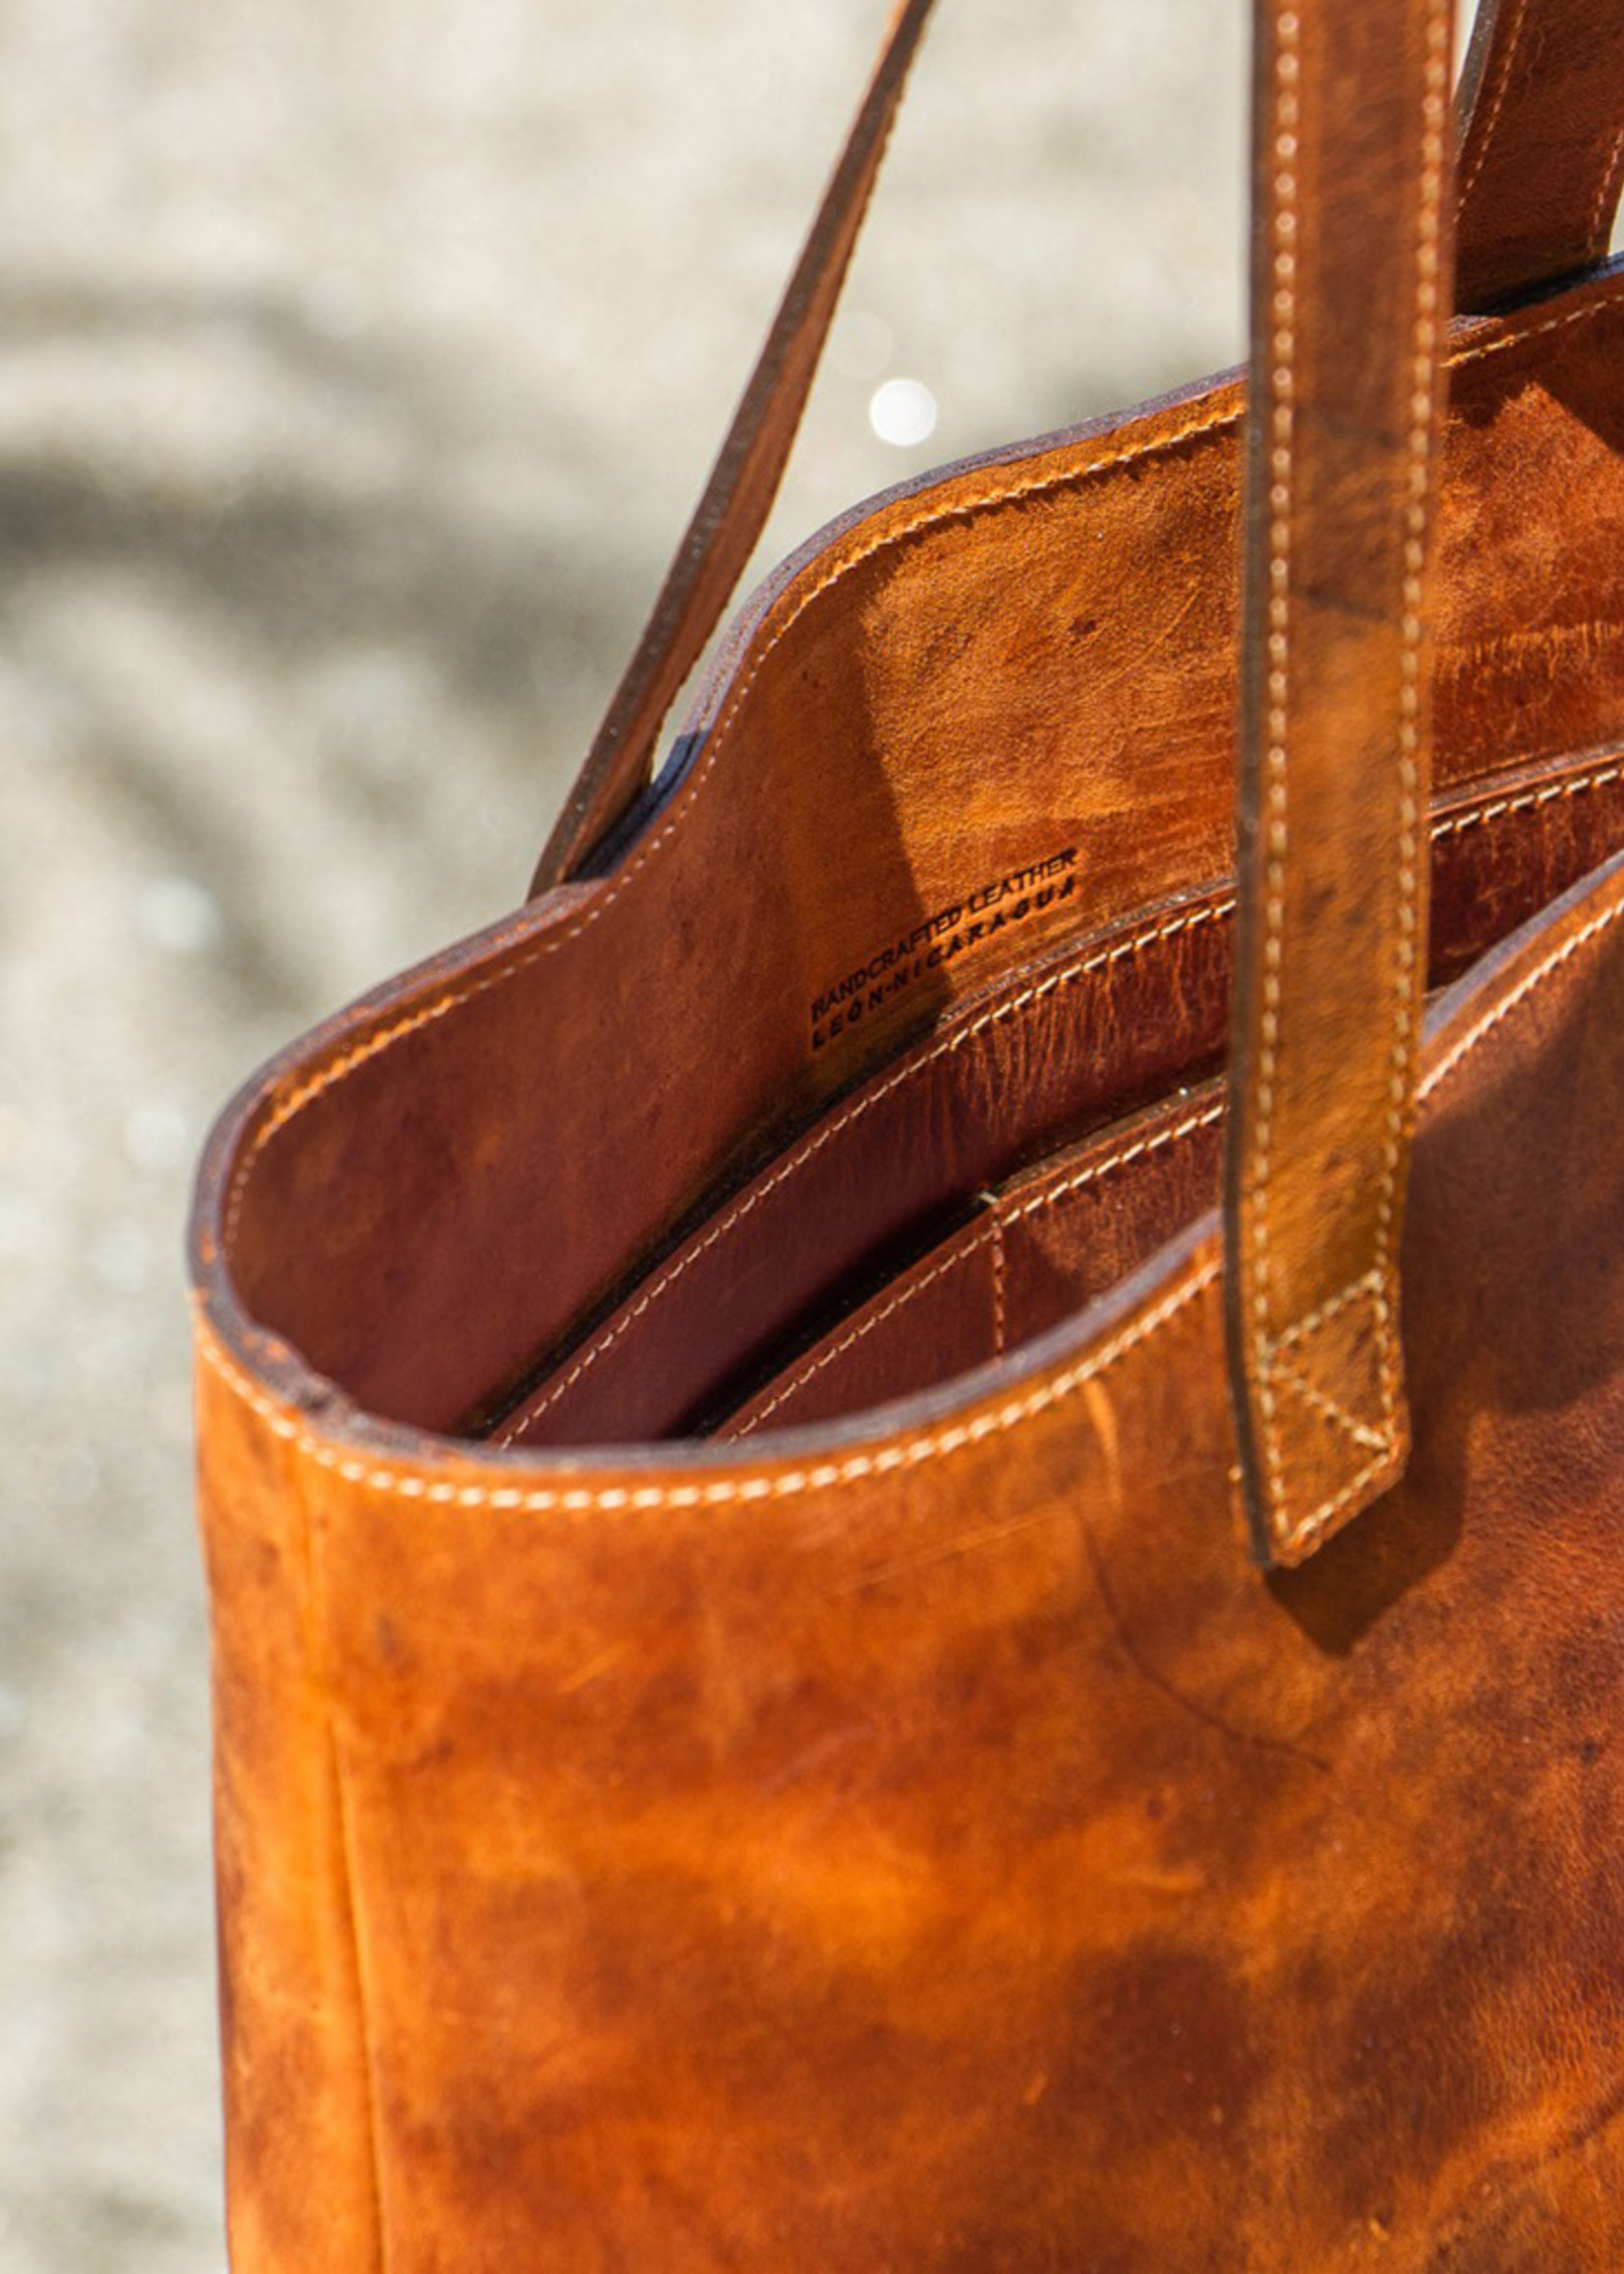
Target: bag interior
pixel 891 1031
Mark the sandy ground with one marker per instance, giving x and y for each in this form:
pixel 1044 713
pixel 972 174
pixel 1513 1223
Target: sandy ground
pixel 360 358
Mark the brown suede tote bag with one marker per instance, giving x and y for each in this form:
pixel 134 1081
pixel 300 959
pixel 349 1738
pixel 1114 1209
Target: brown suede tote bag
pixel 899 1582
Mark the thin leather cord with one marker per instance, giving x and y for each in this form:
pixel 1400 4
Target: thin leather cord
pixel 736 500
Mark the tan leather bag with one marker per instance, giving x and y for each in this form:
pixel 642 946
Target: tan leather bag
pixel 733 1404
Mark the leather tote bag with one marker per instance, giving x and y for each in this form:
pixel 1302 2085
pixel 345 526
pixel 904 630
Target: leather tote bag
pixel 914 1501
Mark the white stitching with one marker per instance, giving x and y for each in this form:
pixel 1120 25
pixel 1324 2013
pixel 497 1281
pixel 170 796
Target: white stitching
pixel 1324 1312
pixel 1000 1265
pixel 900 1453
pixel 1597 233
pixel 1492 122
pixel 1372 1288
pixel 1100 1169
pixel 1423 401
pixel 1407 946
pixel 1095 1173
pixel 942 515
pixel 338 1070
pixel 408 1485
pixel 1458 823
pixel 1214 912
pixel 1328 1411
pixel 1434 1081
pixel 1304 1535
pixel 1463 1049
pixel 1282 474
pixel 1451 826
pixel 899 1302
pixel 1607 302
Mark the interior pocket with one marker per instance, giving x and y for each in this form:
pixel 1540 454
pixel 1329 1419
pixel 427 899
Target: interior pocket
pixel 1001 1171
pixel 1034 1251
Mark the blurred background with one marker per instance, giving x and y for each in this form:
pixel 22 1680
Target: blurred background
pixel 361 361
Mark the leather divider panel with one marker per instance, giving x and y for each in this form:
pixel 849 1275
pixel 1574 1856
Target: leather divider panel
pixel 1010 679
pixel 1105 1024
pixel 1038 1250
pixel 871 1190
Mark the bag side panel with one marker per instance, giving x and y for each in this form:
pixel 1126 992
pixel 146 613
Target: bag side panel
pixel 301 2189
pixel 943 1852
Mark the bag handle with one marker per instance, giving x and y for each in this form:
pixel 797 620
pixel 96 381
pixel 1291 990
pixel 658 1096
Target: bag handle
pixel 1351 120
pixel 1542 151
pixel 1349 321
pixel 739 497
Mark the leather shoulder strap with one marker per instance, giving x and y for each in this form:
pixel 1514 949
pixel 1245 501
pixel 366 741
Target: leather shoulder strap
pixel 744 481
pixel 1350 300
pixel 1542 145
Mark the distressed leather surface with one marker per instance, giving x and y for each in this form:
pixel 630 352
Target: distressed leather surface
pixel 1083 699
pixel 1072 1040
pixel 1540 166
pixel 1541 148
pixel 923 1840
pixel 1350 293
pixel 939 1848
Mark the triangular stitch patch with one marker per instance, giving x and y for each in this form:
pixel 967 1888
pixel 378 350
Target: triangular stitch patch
pixel 1334 1429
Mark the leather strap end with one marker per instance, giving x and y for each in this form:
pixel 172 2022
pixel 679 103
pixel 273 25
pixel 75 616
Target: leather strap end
pixel 1349 304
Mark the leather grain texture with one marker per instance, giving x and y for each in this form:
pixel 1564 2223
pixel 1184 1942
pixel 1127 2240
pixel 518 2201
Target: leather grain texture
pixel 1084 699
pixel 1351 120
pixel 936 1846
pixel 747 1731
pixel 1540 165
pixel 1542 150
